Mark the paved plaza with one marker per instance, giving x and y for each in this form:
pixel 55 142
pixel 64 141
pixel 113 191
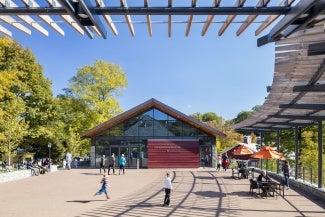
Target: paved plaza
pixel 197 192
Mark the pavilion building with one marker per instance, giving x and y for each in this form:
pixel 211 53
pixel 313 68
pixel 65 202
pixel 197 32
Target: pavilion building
pixel 154 135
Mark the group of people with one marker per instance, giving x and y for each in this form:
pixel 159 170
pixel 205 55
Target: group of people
pixel 167 184
pixel 122 161
pixel 111 164
pixel 69 162
pixel 222 161
pixel 37 167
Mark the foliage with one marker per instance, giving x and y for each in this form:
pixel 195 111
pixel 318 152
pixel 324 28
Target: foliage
pixel 32 90
pixel 24 83
pixel 87 102
pixel 97 85
pixel 12 127
pixel 211 116
pixel 72 117
pixel 243 115
pixel 231 138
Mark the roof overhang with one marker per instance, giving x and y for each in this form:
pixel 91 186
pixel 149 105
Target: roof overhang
pixel 152 103
pixel 297 95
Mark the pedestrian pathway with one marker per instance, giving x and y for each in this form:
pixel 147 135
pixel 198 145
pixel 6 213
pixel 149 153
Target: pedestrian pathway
pixel 196 192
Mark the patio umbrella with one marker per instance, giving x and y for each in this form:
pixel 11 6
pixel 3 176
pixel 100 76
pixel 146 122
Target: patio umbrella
pixel 241 152
pixel 267 152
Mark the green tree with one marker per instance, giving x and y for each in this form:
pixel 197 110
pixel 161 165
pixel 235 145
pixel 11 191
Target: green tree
pixel 97 85
pixel 32 90
pixel 13 128
pixel 72 117
pixel 211 116
pixel 243 115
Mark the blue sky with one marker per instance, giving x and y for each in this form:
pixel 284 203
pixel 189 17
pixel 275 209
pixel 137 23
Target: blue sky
pixel 192 74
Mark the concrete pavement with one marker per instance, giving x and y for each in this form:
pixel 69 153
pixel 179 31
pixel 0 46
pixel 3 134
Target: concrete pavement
pixel 197 192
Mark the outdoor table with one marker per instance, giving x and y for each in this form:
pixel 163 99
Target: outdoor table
pixel 269 187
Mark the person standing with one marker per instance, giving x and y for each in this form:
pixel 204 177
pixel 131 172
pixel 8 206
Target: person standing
pixel 111 163
pixel 122 163
pixel 168 187
pixel 218 162
pixel 286 173
pixel 102 164
pixel 104 187
pixel 68 158
pixel 64 163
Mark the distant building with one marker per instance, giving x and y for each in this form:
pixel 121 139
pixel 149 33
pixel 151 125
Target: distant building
pixel 247 139
pixel 154 135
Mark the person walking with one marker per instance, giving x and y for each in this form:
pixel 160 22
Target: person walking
pixel 104 187
pixel 68 158
pixel 286 173
pixel 218 162
pixel 122 163
pixel 111 163
pixel 168 187
pixel 102 164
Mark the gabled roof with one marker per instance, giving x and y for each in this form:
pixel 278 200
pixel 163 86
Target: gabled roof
pixel 150 104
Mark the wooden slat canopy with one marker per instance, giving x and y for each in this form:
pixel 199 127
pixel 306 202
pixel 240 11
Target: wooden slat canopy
pixel 93 17
pixel 297 96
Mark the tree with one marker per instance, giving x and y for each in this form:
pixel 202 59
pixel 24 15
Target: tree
pixel 71 118
pixel 30 89
pixel 211 116
pixel 97 86
pixel 13 128
pixel 243 115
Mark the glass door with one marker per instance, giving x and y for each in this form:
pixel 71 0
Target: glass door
pixel 116 151
pixel 134 155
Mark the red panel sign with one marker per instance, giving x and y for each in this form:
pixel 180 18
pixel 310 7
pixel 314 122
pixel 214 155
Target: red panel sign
pixel 173 153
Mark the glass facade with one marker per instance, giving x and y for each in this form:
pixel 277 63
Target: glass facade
pixel 130 137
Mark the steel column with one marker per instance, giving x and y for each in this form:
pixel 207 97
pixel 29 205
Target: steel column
pixel 320 154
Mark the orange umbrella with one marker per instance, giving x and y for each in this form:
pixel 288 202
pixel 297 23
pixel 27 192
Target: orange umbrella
pixel 242 150
pixel 267 152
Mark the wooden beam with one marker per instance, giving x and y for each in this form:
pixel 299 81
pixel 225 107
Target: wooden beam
pixel 5 31
pixel 107 18
pixel 148 17
pixel 26 18
pixel 270 19
pixel 190 19
pixel 47 19
pixel 299 117
pixel 251 18
pixel 230 18
pixel 128 18
pixel 303 106
pixel 11 21
pixel 67 18
pixel 210 18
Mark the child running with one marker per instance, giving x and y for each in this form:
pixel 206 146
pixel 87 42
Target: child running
pixel 104 187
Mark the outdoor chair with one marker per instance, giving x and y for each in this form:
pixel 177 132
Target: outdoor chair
pixel 253 186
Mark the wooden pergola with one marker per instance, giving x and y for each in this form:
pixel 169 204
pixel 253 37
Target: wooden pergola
pixel 297 95
pixel 94 17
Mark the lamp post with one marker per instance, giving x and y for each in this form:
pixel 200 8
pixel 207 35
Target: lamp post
pixel 49 145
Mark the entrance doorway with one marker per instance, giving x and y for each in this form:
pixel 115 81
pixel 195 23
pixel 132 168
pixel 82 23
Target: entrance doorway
pixel 131 154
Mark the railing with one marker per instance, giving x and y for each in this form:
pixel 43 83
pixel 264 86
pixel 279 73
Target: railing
pixel 309 174
pixel 306 174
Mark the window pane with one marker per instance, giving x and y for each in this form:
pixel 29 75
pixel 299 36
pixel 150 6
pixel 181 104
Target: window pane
pixel 131 127
pixel 116 131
